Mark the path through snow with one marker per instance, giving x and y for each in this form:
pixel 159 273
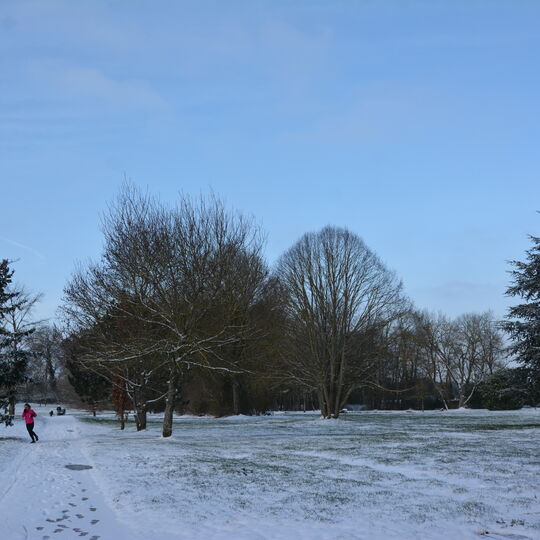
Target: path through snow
pixel 42 499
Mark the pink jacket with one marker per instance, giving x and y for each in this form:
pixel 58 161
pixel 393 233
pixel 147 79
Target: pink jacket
pixel 29 416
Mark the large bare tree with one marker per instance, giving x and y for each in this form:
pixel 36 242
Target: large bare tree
pixel 169 286
pixel 340 299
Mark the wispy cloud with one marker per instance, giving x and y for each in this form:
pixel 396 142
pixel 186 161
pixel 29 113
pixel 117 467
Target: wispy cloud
pixel 30 249
pixel 92 83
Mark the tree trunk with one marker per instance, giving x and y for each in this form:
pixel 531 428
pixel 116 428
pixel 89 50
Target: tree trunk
pixel 236 395
pixel 123 414
pixel 140 415
pixel 440 391
pixel 139 404
pixel 323 404
pixel 50 373
pixel 11 407
pixel 169 405
pixel 339 400
pixel 333 394
pixel 330 403
pixel 329 395
pixel 463 398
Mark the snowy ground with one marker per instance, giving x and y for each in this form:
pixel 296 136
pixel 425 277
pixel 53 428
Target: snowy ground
pixel 372 476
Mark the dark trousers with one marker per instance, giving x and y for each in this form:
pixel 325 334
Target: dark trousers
pixel 30 428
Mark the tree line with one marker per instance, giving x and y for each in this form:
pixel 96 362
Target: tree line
pixel 181 312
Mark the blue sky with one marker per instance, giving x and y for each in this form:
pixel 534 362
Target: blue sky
pixel 414 124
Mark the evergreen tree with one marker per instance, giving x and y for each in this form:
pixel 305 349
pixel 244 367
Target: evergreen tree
pixel 505 389
pixel 523 322
pixel 14 307
pixel 6 374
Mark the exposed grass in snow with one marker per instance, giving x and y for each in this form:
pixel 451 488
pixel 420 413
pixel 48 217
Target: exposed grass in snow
pixel 368 475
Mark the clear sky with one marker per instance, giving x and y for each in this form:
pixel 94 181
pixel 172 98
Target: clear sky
pixel 414 124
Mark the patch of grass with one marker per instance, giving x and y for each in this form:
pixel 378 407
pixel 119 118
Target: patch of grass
pixel 473 509
pixel 98 420
pixel 7 439
pixel 496 427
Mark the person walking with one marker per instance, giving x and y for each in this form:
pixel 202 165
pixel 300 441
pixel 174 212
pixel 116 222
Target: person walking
pixel 29 415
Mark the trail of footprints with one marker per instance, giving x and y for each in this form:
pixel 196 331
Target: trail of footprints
pixel 57 526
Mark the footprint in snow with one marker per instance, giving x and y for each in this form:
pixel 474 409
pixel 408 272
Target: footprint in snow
pixel 39 528
pixel 80 516
pixel 94 521
pixel 72 504
pixel 93 509
pixel 84 498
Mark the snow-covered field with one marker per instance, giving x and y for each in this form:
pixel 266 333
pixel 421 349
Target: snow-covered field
pixel 373 476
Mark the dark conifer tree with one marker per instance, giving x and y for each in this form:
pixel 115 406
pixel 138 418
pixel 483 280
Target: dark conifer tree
pixel 13 357
pixel 523 320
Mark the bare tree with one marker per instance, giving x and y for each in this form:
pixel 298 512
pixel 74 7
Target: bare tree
pixel 340 300
pixel 431 337
pixel 158 297
pixel 44 366
pixel 475 347
pixel 459 353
